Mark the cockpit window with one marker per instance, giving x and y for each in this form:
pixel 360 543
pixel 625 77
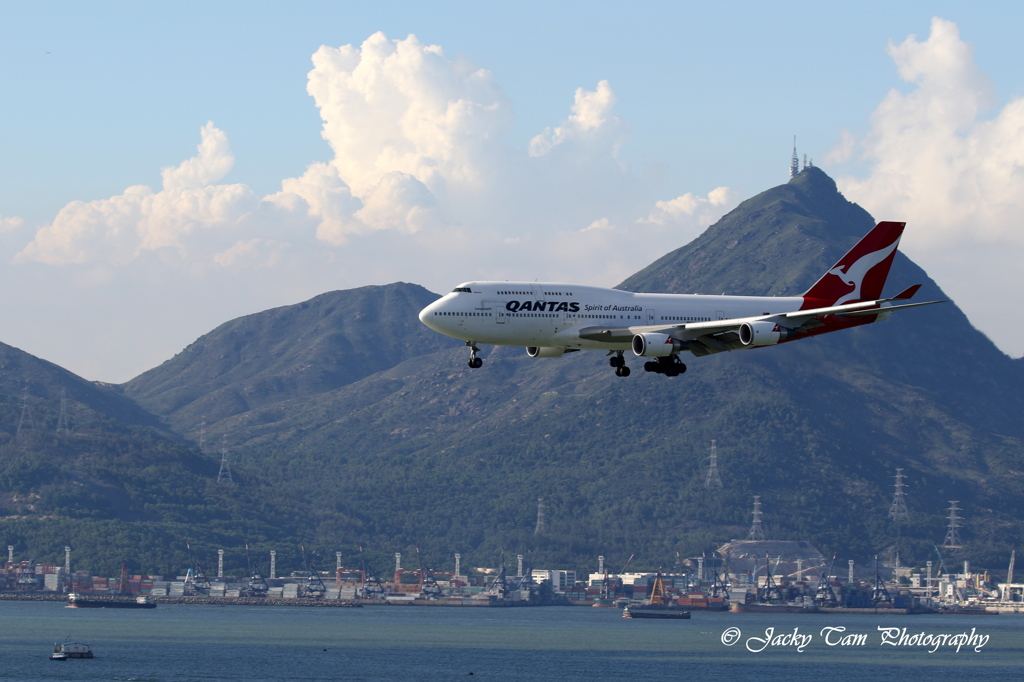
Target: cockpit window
pixel 465 290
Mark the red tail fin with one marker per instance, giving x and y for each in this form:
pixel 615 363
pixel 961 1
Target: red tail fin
pixel 861 273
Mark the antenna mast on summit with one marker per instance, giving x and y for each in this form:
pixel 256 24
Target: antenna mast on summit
pixel 794 164
pixel 224 475
pixel 713 480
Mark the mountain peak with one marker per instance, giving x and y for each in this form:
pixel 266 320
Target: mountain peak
pixel 776 243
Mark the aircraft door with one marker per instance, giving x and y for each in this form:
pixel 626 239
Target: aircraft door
pixel 651 317
pixel 497 309
pixel 720 315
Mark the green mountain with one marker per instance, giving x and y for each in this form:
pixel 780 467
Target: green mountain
pixel 349 422
pixel 117 485
pixel 288 353
pixel 407 446
pixel 40 383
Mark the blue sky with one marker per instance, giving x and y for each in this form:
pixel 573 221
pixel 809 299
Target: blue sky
pixel 700 99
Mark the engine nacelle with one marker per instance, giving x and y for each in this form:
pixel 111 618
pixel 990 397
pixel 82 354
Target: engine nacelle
pixel 655 345
pixel 544 352
pixel 754 334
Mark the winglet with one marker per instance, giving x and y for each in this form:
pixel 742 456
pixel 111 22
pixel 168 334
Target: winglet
pixel 906 293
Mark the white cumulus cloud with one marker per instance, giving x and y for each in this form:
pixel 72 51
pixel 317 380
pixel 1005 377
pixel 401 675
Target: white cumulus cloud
pixel 10 223
pixel 941 159
pixel 117 230
pixel 424 184
pixel 593 120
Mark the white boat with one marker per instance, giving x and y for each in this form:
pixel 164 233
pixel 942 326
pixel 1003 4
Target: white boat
pixel 62 652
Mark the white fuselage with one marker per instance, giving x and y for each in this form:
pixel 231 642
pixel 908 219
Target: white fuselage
pixel 553 315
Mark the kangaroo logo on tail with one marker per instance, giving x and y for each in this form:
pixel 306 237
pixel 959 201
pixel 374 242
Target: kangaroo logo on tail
pixel 865 268
pixel 854 274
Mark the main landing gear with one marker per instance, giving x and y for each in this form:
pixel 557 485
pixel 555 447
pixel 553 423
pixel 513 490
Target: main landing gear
pixel 670 366
pixel 474 361
pixel 619 363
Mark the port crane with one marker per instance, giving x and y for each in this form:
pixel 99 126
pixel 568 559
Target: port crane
pixel 196 581
pixel 879 594
pixel 499 587
pixel 826 596
pixel 718 588
pixel 609 592
pixel 372 586
pixel 314 585
pixel 770 590
pixel 255 585
pixel 430 589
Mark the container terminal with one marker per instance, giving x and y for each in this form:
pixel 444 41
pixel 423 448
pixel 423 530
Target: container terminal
pixel 739 576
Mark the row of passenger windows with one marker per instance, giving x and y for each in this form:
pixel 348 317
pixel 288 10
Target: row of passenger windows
pixel 530 293
pixel 666 318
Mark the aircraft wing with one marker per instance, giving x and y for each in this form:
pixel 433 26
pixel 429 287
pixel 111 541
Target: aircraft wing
pixel 715 335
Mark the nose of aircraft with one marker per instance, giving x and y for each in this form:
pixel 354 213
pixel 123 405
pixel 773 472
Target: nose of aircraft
pixel 426 313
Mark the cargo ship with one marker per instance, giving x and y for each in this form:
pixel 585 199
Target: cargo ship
pixel 81 601
pixel 654 612
pixel 783 607
pixel 656 605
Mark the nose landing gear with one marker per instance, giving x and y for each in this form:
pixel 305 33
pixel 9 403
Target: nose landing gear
pixel 619 363
pixel 474 361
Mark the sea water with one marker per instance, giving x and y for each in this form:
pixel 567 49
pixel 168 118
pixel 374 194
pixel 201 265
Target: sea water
pixel 182 642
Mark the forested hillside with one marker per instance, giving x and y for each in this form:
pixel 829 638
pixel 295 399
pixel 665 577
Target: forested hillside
pixel 349 422
pixel 429 452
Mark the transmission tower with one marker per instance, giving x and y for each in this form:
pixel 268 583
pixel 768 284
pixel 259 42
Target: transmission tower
pixel 62 420
pixel 713 480
pixel 794 163
pixel 25 423
pixel 224 475
pixel 540 517
pixel 756 531
pixel 953 531
pixel 898 511
pixel 202 435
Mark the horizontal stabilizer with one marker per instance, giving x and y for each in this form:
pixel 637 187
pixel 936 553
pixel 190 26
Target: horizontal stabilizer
pixel 906 293
pixel 875 311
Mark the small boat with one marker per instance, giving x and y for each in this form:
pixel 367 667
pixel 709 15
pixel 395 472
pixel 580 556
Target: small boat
pixel 80 601
pixel 62 652
pixel 663 613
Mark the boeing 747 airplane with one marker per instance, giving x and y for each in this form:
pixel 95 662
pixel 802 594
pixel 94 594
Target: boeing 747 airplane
pixel 553 319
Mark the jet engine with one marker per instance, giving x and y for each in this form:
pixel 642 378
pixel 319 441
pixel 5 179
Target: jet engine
pixel 754 334
pixel 655 345
pixel 544 352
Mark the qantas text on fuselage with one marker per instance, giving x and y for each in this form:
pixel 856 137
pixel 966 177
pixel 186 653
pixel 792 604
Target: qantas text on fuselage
pixel 553 319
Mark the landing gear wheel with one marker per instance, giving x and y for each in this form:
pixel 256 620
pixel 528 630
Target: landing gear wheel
pixel 650 366
pixel 623 371
pixel 682 368
pixel 474 361
pixel 616 361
